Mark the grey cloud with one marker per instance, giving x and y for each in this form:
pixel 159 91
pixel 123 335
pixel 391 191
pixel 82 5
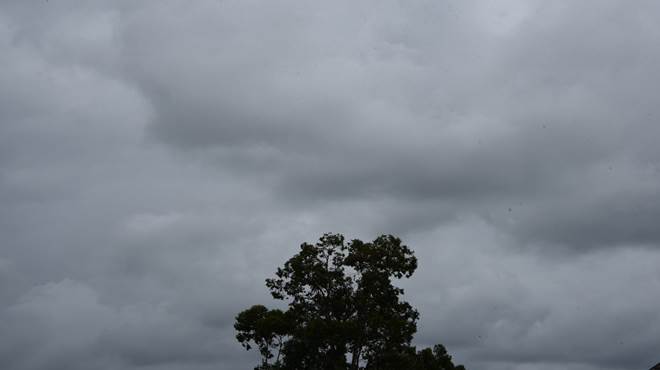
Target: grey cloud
pixel 595 310
pixel 158 160
pixel 530 112
pixel 65 324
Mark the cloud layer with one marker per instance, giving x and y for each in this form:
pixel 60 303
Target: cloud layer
pixel 159 159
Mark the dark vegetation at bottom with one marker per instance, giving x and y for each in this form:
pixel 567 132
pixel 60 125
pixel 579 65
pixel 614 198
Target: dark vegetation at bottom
pixel 344 312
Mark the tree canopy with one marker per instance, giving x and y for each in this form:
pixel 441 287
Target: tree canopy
pixel 344 312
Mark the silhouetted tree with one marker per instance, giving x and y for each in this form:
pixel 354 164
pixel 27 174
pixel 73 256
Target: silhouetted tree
pixel 434 359
pixel 265 328
pixel 343 313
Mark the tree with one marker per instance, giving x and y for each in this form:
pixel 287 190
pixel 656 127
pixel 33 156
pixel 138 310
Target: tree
pixel 434 359
pixel 344 312
pixel 267 329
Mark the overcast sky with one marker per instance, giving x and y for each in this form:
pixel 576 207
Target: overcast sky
pixel 159 160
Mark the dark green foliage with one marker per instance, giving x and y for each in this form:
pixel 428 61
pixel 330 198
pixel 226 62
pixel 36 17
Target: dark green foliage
pixel 434 359
pixel 343 313
pixel 265 328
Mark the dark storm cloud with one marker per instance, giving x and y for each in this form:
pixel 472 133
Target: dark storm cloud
pixel 592 312
pixel 380 107
pixel 158 160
